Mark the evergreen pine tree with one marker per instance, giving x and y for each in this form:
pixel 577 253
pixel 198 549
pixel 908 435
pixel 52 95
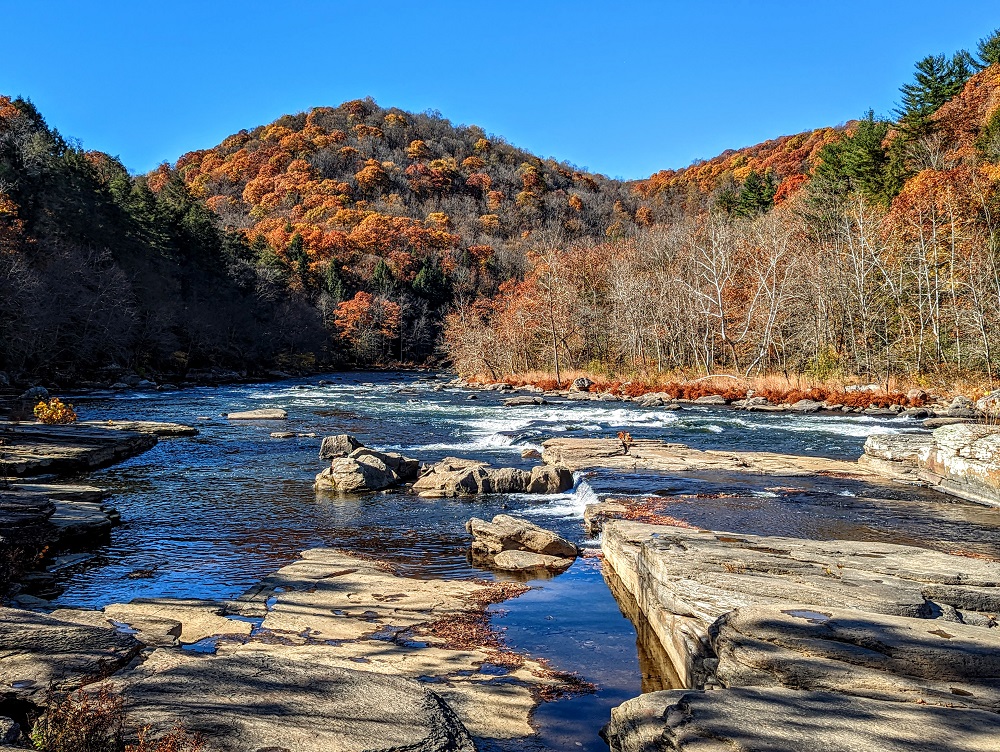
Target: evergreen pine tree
pixel 989 50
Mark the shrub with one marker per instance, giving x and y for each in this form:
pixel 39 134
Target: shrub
pixel 81 722
pixel 54 412
pixel 96 722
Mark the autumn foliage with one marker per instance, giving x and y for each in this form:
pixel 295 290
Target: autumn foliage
pixel 55 413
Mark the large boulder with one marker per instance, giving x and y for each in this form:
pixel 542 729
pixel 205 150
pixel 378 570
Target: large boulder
pixel 340 445
pixel 366 470
pixel 461 477
pixel 964 460
pixel 581 384
pixel 515 533
pixel 526 561
pixel 515 544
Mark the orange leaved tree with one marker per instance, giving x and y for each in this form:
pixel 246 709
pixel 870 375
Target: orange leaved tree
pixel 368 322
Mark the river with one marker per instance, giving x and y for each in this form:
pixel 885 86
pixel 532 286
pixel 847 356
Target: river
pixel 213 514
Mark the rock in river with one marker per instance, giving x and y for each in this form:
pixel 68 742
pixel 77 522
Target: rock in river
pixel 263 414
pixel 515 544
pixel 461 477
pixel 340 445
pixel 366 470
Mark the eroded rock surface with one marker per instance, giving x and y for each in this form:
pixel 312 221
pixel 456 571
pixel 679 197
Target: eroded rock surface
pixel 35 449
pixel 964 460
pixel 39 651
pixel 787 720
pixel 895 455
pixel 882 657
pixel 684 579
pixel 258 700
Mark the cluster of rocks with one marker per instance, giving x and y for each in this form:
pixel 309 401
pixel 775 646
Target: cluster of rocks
pixel 355 469
pixel 809 645
pixel 332 652
pixel 958 459
pixel 515 544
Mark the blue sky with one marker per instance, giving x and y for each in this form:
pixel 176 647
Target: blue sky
pixel 623 88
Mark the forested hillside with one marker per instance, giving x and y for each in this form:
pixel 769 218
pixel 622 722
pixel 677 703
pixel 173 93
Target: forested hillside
pixel 869 251
pixel 380 219
pixel 98 269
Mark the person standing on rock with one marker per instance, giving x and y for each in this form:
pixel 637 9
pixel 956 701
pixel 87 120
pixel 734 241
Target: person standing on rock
pixel 626 439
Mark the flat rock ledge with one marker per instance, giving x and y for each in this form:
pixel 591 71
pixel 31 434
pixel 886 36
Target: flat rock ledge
pixel 807 637
pixel 960 459
pixel 786 720
pixel 651 454
pixel 515 544
pixel 333 652
pixel 36 449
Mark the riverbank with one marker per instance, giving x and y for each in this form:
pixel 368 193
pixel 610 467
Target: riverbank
pixel 765 394
pixel 45 523
pixel 353 656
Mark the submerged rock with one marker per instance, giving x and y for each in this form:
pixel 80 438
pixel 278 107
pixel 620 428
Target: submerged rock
pixel 461 477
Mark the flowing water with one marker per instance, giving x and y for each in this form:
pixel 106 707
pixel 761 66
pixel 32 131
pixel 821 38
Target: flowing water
pixel 213 514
